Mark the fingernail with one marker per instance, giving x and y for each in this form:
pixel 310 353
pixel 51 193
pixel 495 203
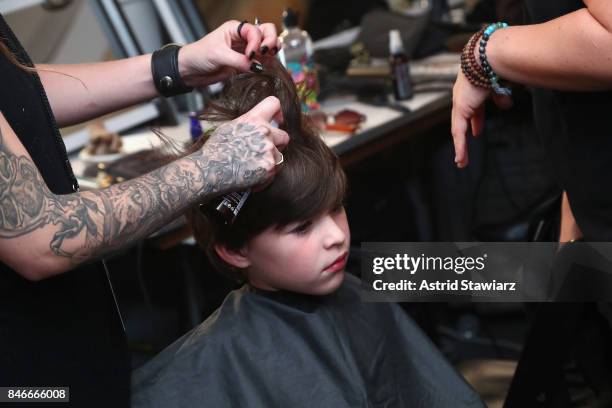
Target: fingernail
pixel 256 67
pixel 252 54
pixel 264 50
pixel 274 50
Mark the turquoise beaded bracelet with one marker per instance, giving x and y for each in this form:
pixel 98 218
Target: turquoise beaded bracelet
pixel 493 78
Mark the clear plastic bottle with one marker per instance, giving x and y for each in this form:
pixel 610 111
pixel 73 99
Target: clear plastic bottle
pixel 296 56
pixel 400 68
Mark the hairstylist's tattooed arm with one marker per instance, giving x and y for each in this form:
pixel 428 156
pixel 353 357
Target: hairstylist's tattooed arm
pixel 42 234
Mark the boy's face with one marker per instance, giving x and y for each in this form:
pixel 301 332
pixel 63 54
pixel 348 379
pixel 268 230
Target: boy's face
pixel 306 257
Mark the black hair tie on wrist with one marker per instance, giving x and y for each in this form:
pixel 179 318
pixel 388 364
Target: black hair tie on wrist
pixel 165 70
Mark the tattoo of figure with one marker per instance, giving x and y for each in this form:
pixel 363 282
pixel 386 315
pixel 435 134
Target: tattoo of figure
pixel 26 204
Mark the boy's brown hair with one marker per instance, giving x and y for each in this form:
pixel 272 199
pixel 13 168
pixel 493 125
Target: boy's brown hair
pixel 308 183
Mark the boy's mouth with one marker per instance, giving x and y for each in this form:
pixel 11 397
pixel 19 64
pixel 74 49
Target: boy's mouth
pixel 338 264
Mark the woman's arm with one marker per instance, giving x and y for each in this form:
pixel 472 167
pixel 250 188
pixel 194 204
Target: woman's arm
pixel 79 92
pixel 572 52
pixel 43 234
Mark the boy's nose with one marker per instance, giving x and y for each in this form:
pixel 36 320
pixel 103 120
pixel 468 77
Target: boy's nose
pixel 334 235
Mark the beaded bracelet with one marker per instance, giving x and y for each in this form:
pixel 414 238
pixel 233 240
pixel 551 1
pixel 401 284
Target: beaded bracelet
pixel 471 69
pixel 493 78
pixel 481 75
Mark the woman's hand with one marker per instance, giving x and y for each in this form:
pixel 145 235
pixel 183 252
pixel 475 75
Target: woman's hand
pixel 244 152
pixel 216 55
pixel 469 109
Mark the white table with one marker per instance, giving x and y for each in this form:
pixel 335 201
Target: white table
pixel 373 135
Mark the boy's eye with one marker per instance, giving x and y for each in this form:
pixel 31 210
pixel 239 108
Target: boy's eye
pixel 301 228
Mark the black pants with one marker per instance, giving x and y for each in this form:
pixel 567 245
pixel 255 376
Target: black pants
pixel 566 360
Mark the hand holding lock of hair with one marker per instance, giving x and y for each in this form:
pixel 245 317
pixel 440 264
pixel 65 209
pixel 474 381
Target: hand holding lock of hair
pixel 292 234
pixel 245 148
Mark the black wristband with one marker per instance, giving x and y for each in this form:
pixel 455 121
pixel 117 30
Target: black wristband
pixel 166 76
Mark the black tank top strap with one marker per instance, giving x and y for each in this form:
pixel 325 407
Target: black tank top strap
pixel 25 106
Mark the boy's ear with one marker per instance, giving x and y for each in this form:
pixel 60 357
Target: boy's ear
pixel 234 258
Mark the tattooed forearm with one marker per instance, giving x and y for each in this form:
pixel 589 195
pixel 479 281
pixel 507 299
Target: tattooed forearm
pixel 26 204
pixel 137 208
pixel 91 224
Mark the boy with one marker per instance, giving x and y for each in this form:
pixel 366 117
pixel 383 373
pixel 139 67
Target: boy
pixel 296 334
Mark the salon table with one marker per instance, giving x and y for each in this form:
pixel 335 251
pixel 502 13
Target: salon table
pixel 383 128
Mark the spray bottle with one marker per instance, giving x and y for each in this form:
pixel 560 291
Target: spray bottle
pixel 400 68
pixel 296 55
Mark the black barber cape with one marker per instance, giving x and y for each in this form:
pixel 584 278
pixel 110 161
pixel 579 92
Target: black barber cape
pixel 281 349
